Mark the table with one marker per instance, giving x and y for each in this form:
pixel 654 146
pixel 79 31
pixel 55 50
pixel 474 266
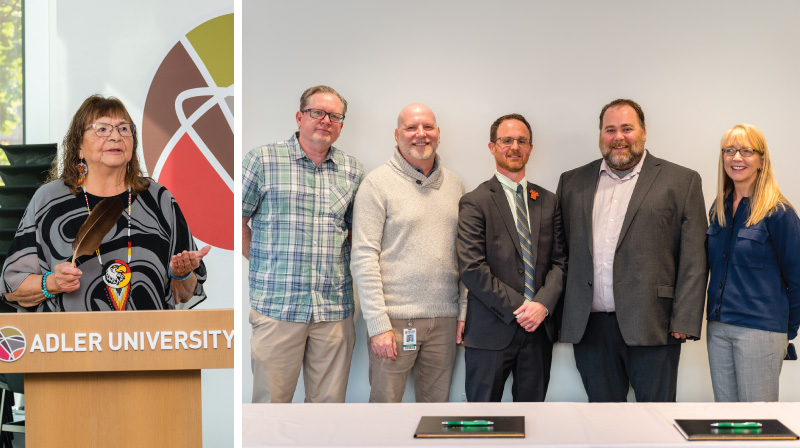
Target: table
pixel 546 424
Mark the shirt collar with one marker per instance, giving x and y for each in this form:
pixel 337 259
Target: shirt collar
pixel 728 200
pixel 636 169
pixel 296 151
pixel 510 184
pixel 435 165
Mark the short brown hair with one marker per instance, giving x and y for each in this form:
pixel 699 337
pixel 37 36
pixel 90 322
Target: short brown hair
pixel 623 102
pixel 499 121
pixel 92 108
pixel 321 89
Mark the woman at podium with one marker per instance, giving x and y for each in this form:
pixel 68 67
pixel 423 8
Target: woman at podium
pixel 146 261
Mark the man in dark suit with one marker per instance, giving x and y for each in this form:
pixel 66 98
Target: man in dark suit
pixel 635 228
pixel 511 255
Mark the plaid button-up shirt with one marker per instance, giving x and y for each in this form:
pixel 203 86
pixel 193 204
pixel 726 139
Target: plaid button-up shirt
pixel 300 217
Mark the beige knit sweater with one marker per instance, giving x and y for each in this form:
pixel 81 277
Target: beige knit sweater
pixel 403 259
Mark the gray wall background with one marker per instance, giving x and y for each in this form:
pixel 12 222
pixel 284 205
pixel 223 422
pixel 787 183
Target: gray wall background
pixel 696 68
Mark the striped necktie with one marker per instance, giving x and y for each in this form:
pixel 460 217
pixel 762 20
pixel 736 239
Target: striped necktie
pixel 525 242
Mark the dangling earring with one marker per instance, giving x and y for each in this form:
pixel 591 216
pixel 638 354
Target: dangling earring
pixel 82 170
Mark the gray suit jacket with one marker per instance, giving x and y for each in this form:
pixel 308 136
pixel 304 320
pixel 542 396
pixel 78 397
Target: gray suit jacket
pixel 490 260
pixel 660 270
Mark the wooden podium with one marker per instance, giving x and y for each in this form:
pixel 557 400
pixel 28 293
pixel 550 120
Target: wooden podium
pixel 121 379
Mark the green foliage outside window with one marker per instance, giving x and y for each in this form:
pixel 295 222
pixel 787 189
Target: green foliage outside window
pixel 10 73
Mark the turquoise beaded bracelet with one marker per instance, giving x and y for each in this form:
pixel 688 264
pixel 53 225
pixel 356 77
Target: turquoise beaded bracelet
pixel 44 286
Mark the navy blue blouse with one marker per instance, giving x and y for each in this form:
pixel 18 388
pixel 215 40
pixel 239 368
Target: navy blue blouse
pixel 755 271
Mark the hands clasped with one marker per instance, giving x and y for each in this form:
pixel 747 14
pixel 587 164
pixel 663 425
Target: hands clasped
pixel 530 315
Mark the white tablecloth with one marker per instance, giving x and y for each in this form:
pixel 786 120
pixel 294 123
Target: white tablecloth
pixel 546 424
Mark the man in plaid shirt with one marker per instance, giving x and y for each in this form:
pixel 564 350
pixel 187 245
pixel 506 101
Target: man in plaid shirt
pixel 298 197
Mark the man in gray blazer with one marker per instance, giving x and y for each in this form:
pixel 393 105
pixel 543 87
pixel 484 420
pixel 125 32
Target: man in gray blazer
pixel 511 256
pixel 635 227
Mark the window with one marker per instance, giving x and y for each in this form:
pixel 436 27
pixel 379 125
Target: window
pixel 11 70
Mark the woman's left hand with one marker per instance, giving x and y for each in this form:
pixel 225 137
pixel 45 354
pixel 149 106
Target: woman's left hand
pixel 187 261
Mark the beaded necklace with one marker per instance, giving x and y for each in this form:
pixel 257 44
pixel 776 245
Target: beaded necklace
pixel 117 274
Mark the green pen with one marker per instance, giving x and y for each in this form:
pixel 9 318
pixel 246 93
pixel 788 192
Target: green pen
pixel 736 425
pixel 468 423
pixel 713 430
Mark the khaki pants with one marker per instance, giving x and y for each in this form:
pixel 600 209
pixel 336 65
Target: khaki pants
pixel 278 349
pixel 432 362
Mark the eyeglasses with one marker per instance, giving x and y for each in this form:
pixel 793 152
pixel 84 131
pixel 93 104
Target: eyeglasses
pixel 508 142
pixel 105 129
pixel 744 152
pixel 319 114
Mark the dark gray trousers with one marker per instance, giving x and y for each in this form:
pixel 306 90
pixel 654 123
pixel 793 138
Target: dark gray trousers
pixel 528 357
pixel 608 366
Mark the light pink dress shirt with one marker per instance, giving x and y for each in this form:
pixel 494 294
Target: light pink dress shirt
pixel 610 205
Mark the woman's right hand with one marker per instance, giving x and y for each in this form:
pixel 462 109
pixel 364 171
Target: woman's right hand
pixel 65 278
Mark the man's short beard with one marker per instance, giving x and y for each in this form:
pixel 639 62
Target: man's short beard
pixel 410 152
pixel 503 163
pixel 620 163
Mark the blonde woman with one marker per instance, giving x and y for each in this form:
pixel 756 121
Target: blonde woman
pixel 754 258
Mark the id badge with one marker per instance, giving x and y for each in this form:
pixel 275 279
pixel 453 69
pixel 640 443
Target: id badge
pixel 409 338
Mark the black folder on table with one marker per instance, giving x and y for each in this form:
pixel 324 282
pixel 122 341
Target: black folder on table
pixel 501 427
pixel 702 430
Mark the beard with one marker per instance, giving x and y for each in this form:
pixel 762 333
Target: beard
pixel 511 167
pixel 408 150
pixel 424 154
pixel 622 161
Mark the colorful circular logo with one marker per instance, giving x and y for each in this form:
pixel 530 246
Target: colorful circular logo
pixel 12 344
pixel 187 129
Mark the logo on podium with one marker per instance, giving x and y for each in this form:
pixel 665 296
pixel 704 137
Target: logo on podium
pixel 12 344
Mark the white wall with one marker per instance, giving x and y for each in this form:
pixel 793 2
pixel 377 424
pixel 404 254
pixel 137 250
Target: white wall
pixel 82 47
pixel 696 68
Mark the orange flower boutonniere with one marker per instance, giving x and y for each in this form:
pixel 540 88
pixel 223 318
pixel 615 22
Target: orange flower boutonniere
pixel 534 194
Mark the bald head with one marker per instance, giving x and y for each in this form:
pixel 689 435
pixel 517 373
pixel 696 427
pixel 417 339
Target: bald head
pixel 417 134
pixel 412 110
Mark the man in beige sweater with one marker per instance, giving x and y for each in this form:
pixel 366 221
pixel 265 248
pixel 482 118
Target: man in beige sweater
pixel 405 266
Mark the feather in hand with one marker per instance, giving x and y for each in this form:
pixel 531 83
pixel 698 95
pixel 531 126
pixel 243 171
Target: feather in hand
pixel 100 221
